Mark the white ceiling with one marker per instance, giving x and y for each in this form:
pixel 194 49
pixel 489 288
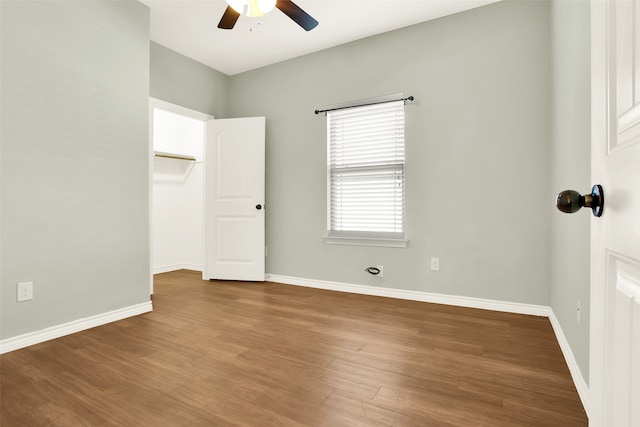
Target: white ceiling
pixel 190 28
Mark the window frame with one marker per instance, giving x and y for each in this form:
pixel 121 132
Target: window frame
pixel 367 238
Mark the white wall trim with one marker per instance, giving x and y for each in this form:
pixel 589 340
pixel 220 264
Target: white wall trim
pixel 366 241
pixel 32 338
pixel 574 369
pixel 486 304
pixel 36 337
pixel 175 267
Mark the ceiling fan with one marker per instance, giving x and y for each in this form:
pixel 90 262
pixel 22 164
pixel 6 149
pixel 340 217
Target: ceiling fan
pixel 255 8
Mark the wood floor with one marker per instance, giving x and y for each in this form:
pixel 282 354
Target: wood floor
pixel 266 354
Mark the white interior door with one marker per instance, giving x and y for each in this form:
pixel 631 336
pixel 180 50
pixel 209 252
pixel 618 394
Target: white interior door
pixel 614 377
pixel 234 199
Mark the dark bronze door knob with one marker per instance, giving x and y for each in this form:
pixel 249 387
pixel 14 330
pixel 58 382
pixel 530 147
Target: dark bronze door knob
pixel 570 201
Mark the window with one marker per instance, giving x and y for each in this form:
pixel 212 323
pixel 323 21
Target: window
pixel 365 175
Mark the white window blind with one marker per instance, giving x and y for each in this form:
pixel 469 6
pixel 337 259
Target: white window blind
pixel 366 171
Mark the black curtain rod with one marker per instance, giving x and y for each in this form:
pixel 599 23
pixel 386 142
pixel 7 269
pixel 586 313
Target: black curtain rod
pixel 409 98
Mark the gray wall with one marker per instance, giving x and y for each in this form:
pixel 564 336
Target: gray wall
pixel 74 159
pixel 482 169
pixel 571 136
pixel 182 81
pixel 477 146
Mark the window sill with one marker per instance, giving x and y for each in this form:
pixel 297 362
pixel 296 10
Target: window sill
pixel 366 241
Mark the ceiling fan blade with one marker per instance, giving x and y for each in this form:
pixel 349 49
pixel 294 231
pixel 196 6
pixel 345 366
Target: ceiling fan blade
pixel 228 19
pixel 294 12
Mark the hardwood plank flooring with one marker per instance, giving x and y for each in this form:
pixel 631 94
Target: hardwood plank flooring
pixel 266 354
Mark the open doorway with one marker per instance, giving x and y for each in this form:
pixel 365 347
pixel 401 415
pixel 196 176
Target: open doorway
pixel 177 199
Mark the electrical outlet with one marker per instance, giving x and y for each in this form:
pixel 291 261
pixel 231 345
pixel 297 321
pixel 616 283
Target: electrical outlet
pixel 579 311
pixel 381 268
pixel 25 291
pixel 435 264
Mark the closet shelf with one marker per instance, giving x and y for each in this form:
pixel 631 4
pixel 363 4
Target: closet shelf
pixel 174 156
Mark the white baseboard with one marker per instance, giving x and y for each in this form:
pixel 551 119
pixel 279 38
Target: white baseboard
pixel 21 341
pixel 505 306
pixel 31 338
pixel 574 369
pixel 486 304
pixel 175 267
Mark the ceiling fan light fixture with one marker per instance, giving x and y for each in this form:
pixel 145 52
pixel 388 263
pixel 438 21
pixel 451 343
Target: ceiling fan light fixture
pixel 256 8
pixel 237 5
pixel 266 6
pixel 253 9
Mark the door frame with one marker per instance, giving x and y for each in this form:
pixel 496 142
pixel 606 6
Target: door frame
pixel 599 68
pixel 183 111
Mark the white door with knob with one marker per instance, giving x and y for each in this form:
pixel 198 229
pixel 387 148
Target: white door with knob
pixel 234 199
pixel 614 374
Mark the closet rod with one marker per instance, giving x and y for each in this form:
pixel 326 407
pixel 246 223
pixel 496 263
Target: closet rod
pixel 174 156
